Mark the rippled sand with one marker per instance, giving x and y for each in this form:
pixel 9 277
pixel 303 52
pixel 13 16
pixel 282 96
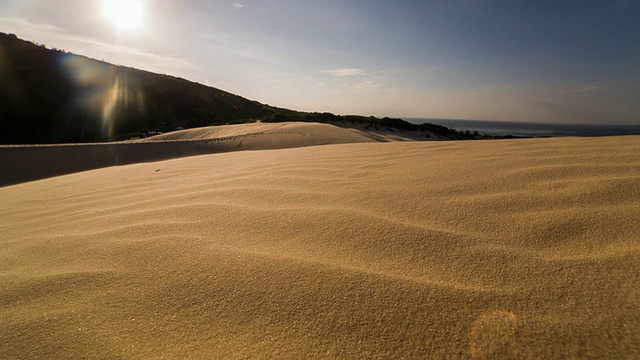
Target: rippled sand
pixel 484 249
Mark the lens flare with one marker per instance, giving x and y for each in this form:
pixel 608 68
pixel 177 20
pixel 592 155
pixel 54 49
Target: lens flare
pixel 110 102
pixel 108 95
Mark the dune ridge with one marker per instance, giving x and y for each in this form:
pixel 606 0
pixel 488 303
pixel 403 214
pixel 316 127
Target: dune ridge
pixel 471 249
pixel 319 132
pixel 21 163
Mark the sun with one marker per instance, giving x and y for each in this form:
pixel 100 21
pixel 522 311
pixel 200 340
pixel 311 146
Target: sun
pixel 126 15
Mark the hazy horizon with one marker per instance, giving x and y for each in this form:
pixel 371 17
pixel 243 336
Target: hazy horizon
pixel 556 62
pixel 416 120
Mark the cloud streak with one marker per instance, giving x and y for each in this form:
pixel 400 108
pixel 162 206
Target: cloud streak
pixel 345 72
pixel 587 88
pixel 367 85
pixel 237 5
pixel 56 37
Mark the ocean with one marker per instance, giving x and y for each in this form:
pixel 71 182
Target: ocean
pixel 531 129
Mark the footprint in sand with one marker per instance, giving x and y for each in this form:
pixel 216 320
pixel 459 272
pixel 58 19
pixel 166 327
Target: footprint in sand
pixel 492 335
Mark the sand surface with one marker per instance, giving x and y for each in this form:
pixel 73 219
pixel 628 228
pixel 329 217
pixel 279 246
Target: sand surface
pixel 27 163
pixel 290 134
pixel 470 249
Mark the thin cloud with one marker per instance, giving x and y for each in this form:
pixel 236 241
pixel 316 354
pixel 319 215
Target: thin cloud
pixel 345 72
pixel 587 88
pixel 56 37
pixel 132 56
pixel 237 5
pixel 367 86
pixel 22 23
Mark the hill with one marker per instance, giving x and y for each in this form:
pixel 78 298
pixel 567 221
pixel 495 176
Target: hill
pixel 52 96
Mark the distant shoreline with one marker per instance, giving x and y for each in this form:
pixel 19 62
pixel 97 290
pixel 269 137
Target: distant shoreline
pixel 532 129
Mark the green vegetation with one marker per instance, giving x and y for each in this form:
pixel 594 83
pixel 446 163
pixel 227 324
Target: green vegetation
pixel 51 96
pixel 384 124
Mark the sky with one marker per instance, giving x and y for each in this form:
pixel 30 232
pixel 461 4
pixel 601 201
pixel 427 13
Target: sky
pixel 561 61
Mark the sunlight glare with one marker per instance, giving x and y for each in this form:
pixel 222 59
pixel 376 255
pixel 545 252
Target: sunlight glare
pixel 126 15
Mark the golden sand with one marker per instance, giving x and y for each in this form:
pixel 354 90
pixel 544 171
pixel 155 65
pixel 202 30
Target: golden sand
pixel 27 163
pixel 470 249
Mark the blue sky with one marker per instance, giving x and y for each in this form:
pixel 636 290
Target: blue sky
pixel 542 61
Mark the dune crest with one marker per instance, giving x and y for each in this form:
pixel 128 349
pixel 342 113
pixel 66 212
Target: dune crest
pixel 303 133
pixel 483 249
pixel 45 161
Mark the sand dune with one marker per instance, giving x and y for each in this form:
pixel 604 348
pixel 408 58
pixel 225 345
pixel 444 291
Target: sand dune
pixel 259 136
pixel 27 163
pixel 483 249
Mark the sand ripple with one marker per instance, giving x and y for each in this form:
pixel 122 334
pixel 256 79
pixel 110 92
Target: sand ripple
pixel 500 249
